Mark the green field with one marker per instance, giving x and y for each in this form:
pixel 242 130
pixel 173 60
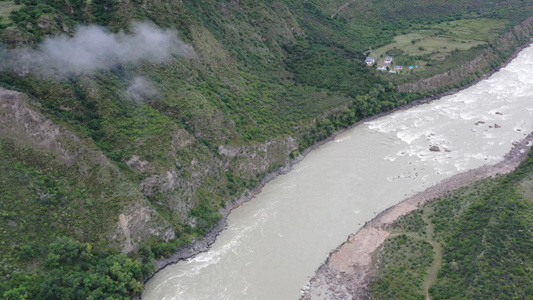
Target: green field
pixel 440 41
pixel 5 8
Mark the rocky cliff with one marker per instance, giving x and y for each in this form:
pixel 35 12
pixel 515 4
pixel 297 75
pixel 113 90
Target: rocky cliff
pixel 25 129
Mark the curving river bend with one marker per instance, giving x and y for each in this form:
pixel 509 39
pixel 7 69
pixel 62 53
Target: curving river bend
pixel 274 243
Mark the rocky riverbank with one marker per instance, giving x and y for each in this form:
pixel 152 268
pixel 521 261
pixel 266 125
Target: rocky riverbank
pixel 348 270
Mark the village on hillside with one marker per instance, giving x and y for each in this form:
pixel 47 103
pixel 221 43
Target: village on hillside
pixel 386 65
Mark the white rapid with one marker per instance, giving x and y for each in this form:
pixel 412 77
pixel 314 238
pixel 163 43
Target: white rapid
pixel 274 243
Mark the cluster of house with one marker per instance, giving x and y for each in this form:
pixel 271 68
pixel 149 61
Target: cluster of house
pixel 386 65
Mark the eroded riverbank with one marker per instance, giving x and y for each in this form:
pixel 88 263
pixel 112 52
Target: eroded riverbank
pixel 347 272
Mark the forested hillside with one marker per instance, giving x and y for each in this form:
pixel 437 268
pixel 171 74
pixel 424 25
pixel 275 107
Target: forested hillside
pixel 128 125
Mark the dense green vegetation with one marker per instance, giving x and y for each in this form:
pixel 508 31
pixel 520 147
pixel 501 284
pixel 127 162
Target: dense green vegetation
pixel 406 261
pixel 264 73
pixel 489 252
pixel 73 271
pixel 485 234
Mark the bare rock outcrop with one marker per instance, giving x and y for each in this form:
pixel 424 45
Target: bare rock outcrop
pixel 19 120
pixel 177 186
pixel 259 156
pixel 25 127
pixel 136 162
pixel 140 223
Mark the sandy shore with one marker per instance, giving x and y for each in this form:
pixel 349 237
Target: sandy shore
pixel 348 269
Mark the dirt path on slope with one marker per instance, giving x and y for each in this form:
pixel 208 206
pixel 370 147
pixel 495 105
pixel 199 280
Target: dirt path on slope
pixel 342 8
pixel 431 277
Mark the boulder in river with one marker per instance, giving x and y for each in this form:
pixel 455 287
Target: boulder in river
pixel 434 149
pixel 497 126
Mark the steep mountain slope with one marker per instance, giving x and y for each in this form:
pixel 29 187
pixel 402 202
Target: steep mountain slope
pixel 135 154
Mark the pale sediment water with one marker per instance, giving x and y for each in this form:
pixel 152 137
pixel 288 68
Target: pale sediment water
pixel 274 243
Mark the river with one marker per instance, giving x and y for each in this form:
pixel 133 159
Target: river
pixel 274 243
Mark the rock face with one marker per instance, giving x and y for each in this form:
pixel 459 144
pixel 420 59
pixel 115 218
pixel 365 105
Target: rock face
pixel 23 126
pixel 136 162
pixel 134 205
pixel 502 47
pixel 193 171
pixel 177 187
pixel 137 222
pixel 434 149
pixel 19 119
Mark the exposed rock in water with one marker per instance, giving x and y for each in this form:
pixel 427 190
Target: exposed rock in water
pixel 497 126
pixel 480 122
pixel 434 149
pixel 498 113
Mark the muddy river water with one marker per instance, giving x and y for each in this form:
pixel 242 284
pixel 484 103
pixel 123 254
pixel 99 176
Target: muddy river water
pixel 274 243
